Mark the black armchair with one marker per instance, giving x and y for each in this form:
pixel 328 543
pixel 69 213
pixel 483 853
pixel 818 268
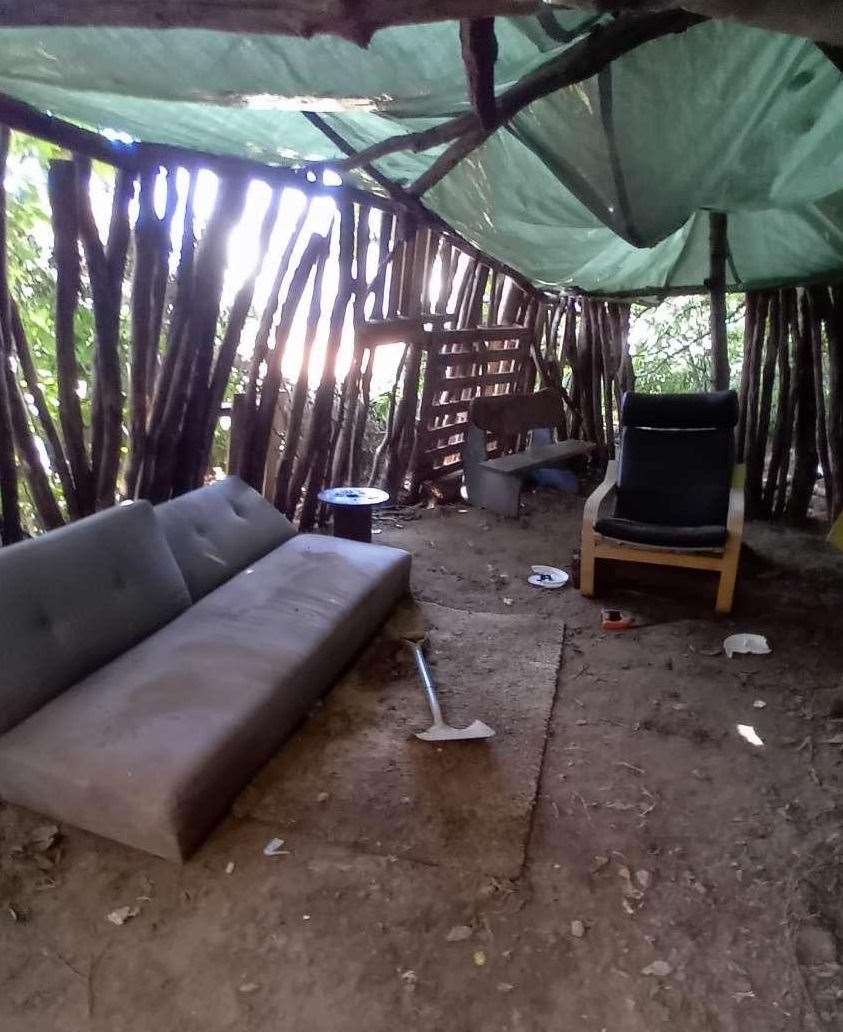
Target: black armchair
pixel 678 493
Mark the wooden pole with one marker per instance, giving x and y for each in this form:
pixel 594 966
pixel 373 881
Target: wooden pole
pixel 61 185
pixel 320 430
pixel 769 318
pixel 789 388
pixel 805 437
pixel 240 308
pixel 341 466
pixel 142 322
pixel 106 267
pixel 718 250
pixel 815 330
pixel 780 334
pixel 261 346
pixel 285 499
pixel 834 334
pixel 46 507
pixel 50 435
pixel 256 448
pixel 209 272
pixel 10 525
pixel 171 389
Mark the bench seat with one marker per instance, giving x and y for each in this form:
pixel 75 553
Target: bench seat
pixel 521 463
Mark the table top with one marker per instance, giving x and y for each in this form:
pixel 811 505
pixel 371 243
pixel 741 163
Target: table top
pixel 353 496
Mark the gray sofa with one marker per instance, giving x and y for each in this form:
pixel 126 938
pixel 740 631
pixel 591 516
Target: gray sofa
pixel 152 659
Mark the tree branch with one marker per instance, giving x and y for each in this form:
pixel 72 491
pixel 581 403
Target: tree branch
pixel 582 60
pixel 479 53
pixel 606 43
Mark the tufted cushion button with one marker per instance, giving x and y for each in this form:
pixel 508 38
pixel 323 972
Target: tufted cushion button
pixel 219 529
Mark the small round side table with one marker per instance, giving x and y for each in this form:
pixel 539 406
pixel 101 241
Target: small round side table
pixel 352 510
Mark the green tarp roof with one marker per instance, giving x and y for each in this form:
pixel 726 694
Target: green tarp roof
pixel 601 186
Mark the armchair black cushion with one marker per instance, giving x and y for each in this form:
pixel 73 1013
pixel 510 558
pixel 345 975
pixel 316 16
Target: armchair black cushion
pixel 661 537
pixel 717 409
pixel 674 470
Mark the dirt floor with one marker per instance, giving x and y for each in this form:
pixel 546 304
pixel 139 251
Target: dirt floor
pixel 676 876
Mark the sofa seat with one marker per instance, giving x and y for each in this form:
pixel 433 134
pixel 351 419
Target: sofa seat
pixel 151 749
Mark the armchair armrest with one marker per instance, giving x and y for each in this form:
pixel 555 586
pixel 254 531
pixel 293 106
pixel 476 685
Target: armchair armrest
pixel 599 495
pixel 735 519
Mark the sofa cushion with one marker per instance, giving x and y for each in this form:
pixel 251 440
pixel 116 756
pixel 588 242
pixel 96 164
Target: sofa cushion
pixel 152 749
pixel 217 530
pixel 77 597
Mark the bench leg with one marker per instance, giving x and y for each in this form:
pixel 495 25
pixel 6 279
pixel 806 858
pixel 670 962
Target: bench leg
pixel 497 492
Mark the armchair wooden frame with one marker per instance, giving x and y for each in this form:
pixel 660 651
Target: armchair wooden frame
pixel 725 561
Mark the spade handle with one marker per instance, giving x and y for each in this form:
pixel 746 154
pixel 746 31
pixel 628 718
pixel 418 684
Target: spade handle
pixel 427 681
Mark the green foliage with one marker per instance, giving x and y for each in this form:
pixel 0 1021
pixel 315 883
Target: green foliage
pixel 671 343
pixel 379 409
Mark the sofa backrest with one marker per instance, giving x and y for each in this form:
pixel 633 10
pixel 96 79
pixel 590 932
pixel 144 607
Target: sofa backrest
pixel 216 531
pixel 75 598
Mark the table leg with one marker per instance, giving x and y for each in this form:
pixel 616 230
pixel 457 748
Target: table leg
pixel 353 522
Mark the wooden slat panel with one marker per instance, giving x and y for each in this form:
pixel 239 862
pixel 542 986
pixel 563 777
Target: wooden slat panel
pixel 438 453
pixel 485 356
pixel 442 471
pixel 493 451
pixel 433 439
pixel 456 383
pixel 440 337
pixel 448 408
pixel 454 428
pixel 452 467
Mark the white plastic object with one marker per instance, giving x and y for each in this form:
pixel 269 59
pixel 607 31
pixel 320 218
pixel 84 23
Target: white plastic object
pixel 754 644
pixel 547 577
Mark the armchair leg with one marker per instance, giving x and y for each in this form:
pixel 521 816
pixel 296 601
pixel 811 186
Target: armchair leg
pixel 587 563
pixel 728 576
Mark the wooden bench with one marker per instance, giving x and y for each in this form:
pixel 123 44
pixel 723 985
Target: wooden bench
pixel 496 484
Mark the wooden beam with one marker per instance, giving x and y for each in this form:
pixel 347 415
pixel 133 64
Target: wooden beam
pixel 132 157
pixel 479 53
pixel 815 19
pixel 391 189
pixel 718 251
pixel 353 21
